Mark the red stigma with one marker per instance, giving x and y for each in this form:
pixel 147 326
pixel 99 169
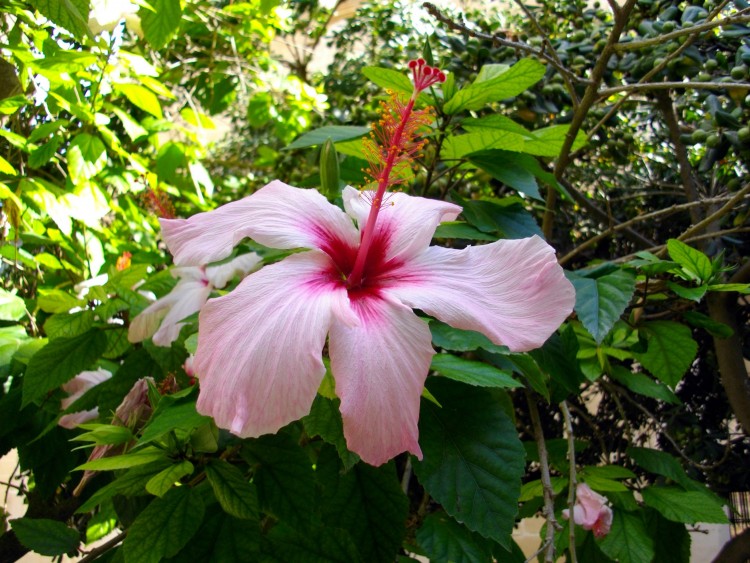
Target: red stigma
pixel 424 75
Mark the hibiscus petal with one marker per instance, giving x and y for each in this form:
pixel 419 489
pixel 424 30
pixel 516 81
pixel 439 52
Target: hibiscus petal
pixel 406 222
pixel 186 298
pixel 277 216
pixel 220 275
pixel 259 357
pixel 380 368
pixel 513 291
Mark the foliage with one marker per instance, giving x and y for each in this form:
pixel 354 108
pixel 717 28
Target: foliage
pixel 619 135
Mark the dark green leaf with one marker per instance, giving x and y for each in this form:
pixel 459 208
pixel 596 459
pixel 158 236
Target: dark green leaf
pixel 59 361
pixel 506 217
pixel 458 340
pixel 473 459
pixel 46 537
pixel 643 385
pixel 461 230
pixel 335 132
pixel 284 479
pixel 691 293
pixel 319 545
pixel 515 170
pixel 165 526
pixel 367 502
pixel 714 328
pixel 472 372
pixel 628 541
pixel 446 541
pixel 69 324
pixel 689 507
pixel 124 461
pixel 160 24
pixel 131 483
pixel 325 421
pixel 163 481
pixel 232 489
pixel 670 352
pixel 173 414
pixel 600 301
pixel 674 540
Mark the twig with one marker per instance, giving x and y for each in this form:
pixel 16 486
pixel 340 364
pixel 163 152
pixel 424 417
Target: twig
pixel 406 477
pixel 573 481
pixel 97 551
pixel 607 92
pixel 718 214
pixel 549 493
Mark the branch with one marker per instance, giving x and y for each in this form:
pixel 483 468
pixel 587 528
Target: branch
pixel 573 482
pixel 105 547
pixel 549 493
pixel 718 214
pixel 607 92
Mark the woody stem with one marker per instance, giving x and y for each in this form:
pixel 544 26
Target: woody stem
pixel 368 233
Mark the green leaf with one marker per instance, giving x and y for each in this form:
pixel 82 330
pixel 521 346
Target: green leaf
pixel 57 301
pixel 714 328
pixel 472 372
pixel 628 541
pixel 446 541
pixel 59 361
pixel 160 24
pixel 691 293
pixel 87 156
pixel 643 385
pixel 473 459
pixel 170 415
pixel 42 154
pixel 232 489
pixel 12 307
pixel 670 352
pixel 459 340
pixel 329 170
pixel 522 75
pixel 325 421
pixel 101 434
pixel 693 262
pixel 506 217
pixel 163 481
pixel 142 97
pixel 461 230
pixel 46 537
pixel 457 147
pixel 73 15
pixel 222 538
pixel 674 540
pixel 318 545
pixel 389 79
pixel 660 463
pixel 515 170
pixel 335 132
pixel 549 141
pixel 132 459
pixel 165 526
pixel 494 121
pixel 689 507
pixel 284 478
pixel 367 502
pixel 600 301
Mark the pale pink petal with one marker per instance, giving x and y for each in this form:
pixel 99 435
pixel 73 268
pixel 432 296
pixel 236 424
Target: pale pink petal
pixel 70 421
pixel 135 408
pixel 380 368
pixel 259 358
pixel 513 291
pixel 219 275
pixel 604 522
pixel 162 319
pixel 76 387
pixel 277 216
pixel 405 224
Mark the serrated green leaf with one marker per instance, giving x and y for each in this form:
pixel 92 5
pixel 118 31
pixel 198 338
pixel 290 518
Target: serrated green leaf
pixel 472 372
pixel 714 328
pixel 693 262
pixel 456 147
pixel 12 307
pixel 600 301
pixel 522 75
pixel 336 133
pixel 284 479
pixel 367 502
pixel 170 415
pixel 519 171
pixel 689 507
pixel 165 526
pixel 59 361
pixel 643 385
pixel 674 539
pixel 318 545
pixel 549 141
pixel 389 79
pixel 57 301
pixel 125 461
pixel 446 541
pixel 494 121
pixel 473 459
pixel 160 24
pixel 628 541
pixel 660 463
pixel 163 481
pixel 458 340
pixel 46 537
pixel 232 489
pixel 670 352
pixel 87 156
pixel 70 14
pixel 325 421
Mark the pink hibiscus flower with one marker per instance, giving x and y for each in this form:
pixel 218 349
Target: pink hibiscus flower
pixel 76 388
pixel 591 511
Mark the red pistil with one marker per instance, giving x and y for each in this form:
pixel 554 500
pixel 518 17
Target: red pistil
pixel 392 145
